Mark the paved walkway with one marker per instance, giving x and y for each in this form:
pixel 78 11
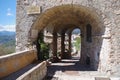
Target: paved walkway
pixel 67 69
pixel 70 69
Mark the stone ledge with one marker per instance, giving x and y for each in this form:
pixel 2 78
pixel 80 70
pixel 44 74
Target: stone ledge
pixel 14 62
pixel 13 54
pixel 36 73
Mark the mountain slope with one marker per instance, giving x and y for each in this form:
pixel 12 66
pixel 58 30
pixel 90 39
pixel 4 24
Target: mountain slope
pixel 7 42
pixel 6 33
pixel 6 36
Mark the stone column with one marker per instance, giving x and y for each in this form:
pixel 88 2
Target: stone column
pixel 69 45
pixel 83 50
pixel 62 44
pixel 54 44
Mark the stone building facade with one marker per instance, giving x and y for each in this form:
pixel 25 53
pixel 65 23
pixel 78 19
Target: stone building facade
pixel 102 16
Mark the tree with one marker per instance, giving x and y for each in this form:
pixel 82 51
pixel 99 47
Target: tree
pixel 77 43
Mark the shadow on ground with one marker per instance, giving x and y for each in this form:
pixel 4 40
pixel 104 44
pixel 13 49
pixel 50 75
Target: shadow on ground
pixel 67 66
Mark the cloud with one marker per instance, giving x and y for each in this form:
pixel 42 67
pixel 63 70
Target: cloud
pixel 9 12
pixel 7 28
pixel 1 27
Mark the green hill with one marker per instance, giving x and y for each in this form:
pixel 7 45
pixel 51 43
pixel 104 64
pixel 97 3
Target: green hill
pixel 7 43
pixel 7 48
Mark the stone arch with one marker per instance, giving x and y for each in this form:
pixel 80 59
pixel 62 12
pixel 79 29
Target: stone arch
pixel 77 15
pixel 59 18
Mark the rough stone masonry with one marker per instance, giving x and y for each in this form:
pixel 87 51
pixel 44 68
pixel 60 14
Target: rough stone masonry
pixel 103 15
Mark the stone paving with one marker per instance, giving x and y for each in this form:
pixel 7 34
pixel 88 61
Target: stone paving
pixel 70 69
pixel 66 69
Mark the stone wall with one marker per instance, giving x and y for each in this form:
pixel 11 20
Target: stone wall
pixel 108 12
pixel 36 73
pixel 14 62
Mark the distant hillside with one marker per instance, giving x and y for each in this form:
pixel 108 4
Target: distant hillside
pixel 6 33
pixel 7 42
pixel 6 36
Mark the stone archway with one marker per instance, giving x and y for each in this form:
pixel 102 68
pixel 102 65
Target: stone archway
pixel 60 18
pixel 75 41
pixel 106 13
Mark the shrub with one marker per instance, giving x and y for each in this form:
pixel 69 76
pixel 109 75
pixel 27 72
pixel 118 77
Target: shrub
pixel 44 50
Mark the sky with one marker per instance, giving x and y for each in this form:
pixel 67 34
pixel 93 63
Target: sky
pixel 7 15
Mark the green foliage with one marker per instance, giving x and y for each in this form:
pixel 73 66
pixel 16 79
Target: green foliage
pixel 7 48
pixel 7 42
pixel 6 38
pixel 77 43
pixel 44 50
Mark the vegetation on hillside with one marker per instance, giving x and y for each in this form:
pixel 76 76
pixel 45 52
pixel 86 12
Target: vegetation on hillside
pixel 7 48
pixel 7 43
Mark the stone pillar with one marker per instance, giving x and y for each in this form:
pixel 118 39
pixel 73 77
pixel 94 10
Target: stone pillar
pixel 83 51
pixel 54 44
pixel 62 44
pixel 70 45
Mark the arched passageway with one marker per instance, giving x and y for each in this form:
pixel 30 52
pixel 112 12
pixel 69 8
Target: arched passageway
pixel 76 43
pixel 59 21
